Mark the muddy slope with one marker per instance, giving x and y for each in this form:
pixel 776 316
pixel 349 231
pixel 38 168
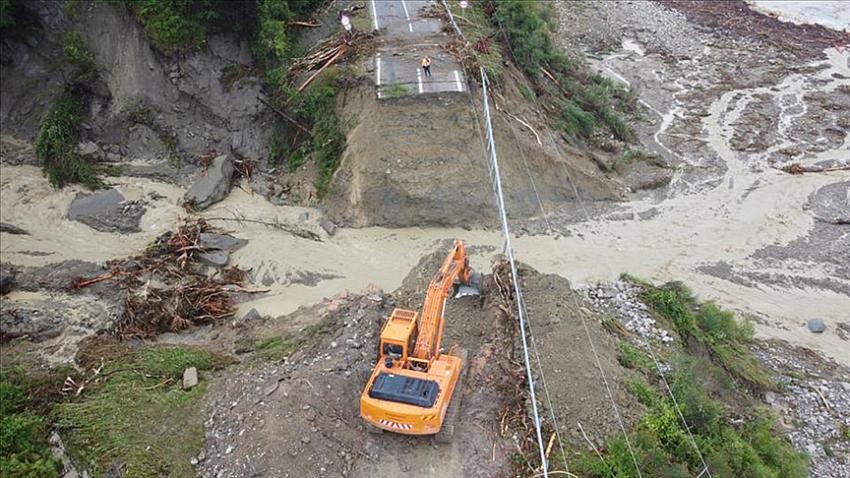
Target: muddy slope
pixel 420 161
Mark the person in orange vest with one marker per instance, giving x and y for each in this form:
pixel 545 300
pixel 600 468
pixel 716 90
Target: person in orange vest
pixel 426 65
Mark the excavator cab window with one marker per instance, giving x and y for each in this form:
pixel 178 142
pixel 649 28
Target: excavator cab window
pixel 394 351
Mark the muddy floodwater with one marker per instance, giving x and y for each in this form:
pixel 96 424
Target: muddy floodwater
pixel 705 222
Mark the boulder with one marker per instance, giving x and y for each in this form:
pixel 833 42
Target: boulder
pixel 215 258
pixel 213 185
pixel 816 325
pixel 89 149
pixel 328 226
pixel 220 242
pixel 190 378
pixel 106 211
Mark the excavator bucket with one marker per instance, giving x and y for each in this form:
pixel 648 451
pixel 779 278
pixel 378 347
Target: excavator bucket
pixel 471 290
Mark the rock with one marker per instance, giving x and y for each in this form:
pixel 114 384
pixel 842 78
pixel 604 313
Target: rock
pixel 7 281
pixel 221 242
pixel 215 258
pixel 213 186
pixel 89 149
pixel 10 229
pixel 106 211
pixel 252 315
pixel 190 378
pixel 328 226
pixel 816 325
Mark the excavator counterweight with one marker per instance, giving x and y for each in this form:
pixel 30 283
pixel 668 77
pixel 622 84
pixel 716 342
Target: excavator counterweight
pixel 413 384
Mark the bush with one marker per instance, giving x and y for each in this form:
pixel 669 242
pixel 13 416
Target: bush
pixel 663 448
pixel 632 357
pixel 80 57
pixel 176 25
pixel 24 451
pixel 56 141
pixel 586 101
pixel 717 329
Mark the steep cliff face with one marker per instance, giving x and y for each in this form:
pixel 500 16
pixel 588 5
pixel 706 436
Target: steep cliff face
pixel 143 105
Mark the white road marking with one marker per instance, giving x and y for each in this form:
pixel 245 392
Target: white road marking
pixel 457 80
pixel 374 14
pixel 419 79
pixel 378 73
pixel 407 16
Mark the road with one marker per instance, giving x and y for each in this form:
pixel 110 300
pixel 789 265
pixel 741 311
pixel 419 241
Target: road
pixel 408 35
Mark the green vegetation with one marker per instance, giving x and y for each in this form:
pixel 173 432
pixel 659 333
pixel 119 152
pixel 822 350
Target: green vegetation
pixel 476 27
pixel 177 25
pixel 663 447
pixel 326 143
pixel 7 18
pixel 583 102
pixel 55 144
pixel 708 325
pixel 632 357
pixel 80 57
pixel 398 90
pixel 24 451
pixel 277 348
pixel 138 414
pixel 314 106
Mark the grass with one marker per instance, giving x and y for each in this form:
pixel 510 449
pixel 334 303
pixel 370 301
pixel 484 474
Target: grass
pixel 707 324
pixel 663 448
pixel 630 356
pixel 55 145
pixel 139 416
pixel 277 348
pixel 24 451
pixel 398 90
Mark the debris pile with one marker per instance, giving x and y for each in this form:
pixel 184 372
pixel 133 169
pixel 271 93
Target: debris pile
pixel 737 17
pixel 621 300
pixel 167 288
pixel 813 401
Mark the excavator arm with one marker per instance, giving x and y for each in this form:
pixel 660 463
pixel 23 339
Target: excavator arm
pixel 455 270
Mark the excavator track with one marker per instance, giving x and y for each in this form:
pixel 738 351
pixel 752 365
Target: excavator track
pixel 446 433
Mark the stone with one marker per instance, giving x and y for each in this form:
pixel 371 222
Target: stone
pixel 221 242
pixel 328 226
pixel 89 149
pixel 816 326
pixel 10 229
pixel 106 211
pixel 252 315
pixel 190 378
pixel 213 186
pixel 7 281
pixel 215 258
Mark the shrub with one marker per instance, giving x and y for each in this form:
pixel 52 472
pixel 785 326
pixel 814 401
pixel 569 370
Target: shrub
pixel 24 451
pixel 79 56
pixel 709 325
pixel 55 145
pixel 586 100
pixel 174 25
pixel 632 357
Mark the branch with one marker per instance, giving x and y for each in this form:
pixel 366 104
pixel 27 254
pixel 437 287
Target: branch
pixel 284 115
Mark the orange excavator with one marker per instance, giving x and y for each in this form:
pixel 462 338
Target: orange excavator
pixel 412 389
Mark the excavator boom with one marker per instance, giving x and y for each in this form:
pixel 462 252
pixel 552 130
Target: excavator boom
pixel 454 271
